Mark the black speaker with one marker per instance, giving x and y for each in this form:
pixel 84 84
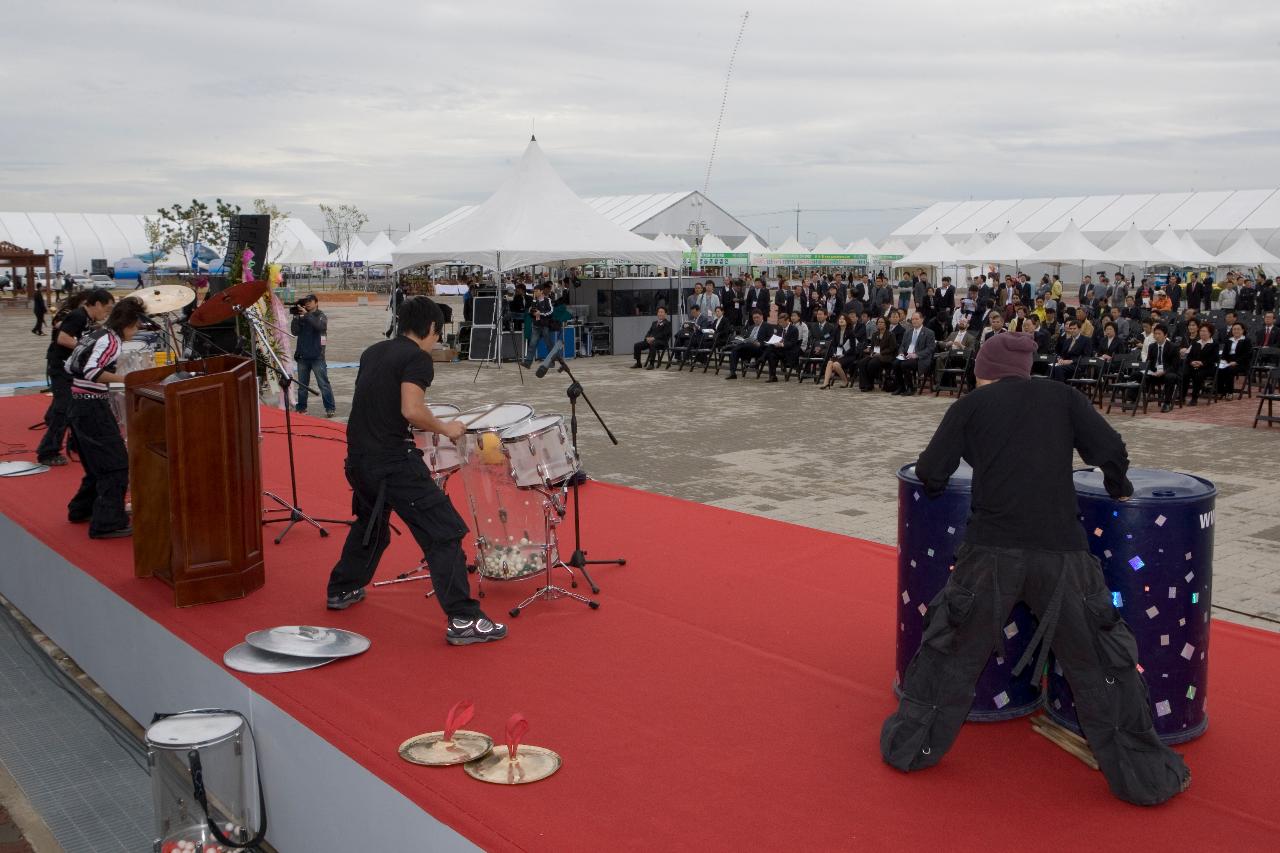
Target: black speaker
pixel 481 348
pixel 484 310
pixel 253 231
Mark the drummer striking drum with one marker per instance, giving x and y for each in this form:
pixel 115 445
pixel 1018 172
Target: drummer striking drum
pixel 1024 542
pixel 386 472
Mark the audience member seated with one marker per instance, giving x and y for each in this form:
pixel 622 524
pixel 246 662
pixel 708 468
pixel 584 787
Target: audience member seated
pixel 1043 338
pixel 1269 334
pixel 881 352
pixel 785 350
pixel 1071 348
pixel 915 355
pixel 655 340
pixel 1233 359
pixel 1163 366
pixel 843 355
pixel 752 344
pixel 1199 361
pixel 691 334
pixel 1112 346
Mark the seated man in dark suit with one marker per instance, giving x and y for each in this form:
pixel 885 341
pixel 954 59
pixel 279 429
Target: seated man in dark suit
pixel 915 355
pixel 690 335
pixel 1163 362
pixel 786 350
pixel 655 340
pixel 1072 347
pixel 1269 334
pixel 1043 338
pixel 752 344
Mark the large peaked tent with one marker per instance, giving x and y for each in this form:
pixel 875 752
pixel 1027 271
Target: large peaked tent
pixel 1134 250
pixel 934 252
pixel 1071 247
pixel 1245 252
pixel 532 218
pixel 1007 247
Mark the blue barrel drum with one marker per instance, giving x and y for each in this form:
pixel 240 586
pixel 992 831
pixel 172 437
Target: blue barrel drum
pixel 930 532
pixel 1156 551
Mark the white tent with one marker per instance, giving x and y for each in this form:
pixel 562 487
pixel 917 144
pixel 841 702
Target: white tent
pixel 862 246
pixel 299 244
pixel 713 245
pixel 895 246
pixel 1071 247
pixel 973 246
pixel 1006 248
pixel 1192 252
pixel 934 252
pixel 1133 249
pixel 533 218
pixel 791 246
pixel 1245 252
pixel 378 252
pixel 355 251
pixel 1169 243
pixel 752 246
pixel 828 246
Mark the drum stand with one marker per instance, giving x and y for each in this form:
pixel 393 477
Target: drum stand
pixel 295 513
pixel 420 572
pixel 553 510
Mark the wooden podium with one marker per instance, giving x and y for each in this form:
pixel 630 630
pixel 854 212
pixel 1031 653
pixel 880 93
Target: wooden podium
pixel 195 477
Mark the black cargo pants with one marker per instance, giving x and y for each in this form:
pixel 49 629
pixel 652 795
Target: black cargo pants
pixel 400 481
pixel 100 498
pixel 1098 653
pixel 57 415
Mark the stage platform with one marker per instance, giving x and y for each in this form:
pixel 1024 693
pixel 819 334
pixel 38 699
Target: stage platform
pixel 728 694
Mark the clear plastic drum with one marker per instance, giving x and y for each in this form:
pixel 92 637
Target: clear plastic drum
pixel 508 522
pixel 439 452
pixel 115 396
pixel 540 452
pixel 134 355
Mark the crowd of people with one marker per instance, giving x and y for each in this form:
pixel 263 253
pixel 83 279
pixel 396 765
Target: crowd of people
pixel 898 335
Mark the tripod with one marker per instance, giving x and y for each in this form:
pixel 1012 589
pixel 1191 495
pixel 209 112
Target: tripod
pixel 579 559
pixel 295 513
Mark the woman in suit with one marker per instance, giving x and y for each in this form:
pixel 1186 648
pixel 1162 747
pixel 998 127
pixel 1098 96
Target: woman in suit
pixel 1110 347
pixel 1234 356
pixel 883 349
pixel 1199 361
pixel 843 355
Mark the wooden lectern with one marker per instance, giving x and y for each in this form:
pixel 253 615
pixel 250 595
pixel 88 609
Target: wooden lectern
pixel 195 477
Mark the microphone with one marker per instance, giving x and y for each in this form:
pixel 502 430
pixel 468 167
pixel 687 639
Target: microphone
pixel 549 360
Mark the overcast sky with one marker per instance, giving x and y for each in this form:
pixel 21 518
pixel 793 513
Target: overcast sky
pixel 861 112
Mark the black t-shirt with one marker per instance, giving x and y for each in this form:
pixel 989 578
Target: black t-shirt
pixel 376 425
pixel 74 325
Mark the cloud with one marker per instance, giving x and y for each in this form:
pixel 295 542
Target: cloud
pixel 853 111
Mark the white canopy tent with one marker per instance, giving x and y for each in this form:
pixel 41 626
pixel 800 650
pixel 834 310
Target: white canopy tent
pixel 862 246
pixel 895 246
pixel 1006 248
pixel 355 251
pixel 532 218
pixel 1072 247
pixel 828 246
pixel 791 246
pixel 934 252
pixel 1245 252
pixel 752 246
pixel 1133 249
pixel 299 244
pixel 378 252
pixel 1171 244
pixel 713 245
pixel 973 246
pixel 1192 252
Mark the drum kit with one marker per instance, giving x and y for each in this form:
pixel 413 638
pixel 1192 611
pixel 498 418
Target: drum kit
pixel 516 467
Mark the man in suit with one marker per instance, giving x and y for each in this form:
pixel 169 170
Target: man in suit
pixel 946 295
pixel 691 334
pixel 750 301
pixel 787 350
pixel 1269 334
pixel 1042 336
pixel 1071 348
pixel 655 340
pixel 1229 319
pixel 1163 362
pixel 752 345
pixel 915 355
pixel 785 299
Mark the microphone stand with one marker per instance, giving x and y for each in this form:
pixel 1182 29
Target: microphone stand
pixel 295 513
pixel 579 559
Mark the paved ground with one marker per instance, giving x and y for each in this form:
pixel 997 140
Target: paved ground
pixel 823 459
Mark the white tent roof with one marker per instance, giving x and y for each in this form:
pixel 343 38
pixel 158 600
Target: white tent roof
pixel 713 245
pixel 974 245
pixel 894 247
pixel 792 246
pixel 379 250
pixel 1192 252
pixel 932 252
pixel 862 246
pixel 1245 252
pixel 300 245
pixel 751 244
pixel 1007 247
pixel 356 251
pixel 1071 247
pixel 1133 248
pixel 828 246
pixel 532 218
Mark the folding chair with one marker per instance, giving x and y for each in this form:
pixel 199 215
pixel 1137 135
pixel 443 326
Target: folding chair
pixel 1264 359
pixel 956 366
pixel 1129 381
pixel 1269 394
pixel 1087 376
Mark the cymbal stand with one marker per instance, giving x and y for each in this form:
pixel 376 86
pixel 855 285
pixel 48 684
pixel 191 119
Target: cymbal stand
pixel 420 572
pixel 258 331
pixel 553 509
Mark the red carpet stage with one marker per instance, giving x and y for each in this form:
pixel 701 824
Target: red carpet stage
pixel 728 694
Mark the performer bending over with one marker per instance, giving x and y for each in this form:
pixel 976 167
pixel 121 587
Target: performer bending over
pixel 73 318
pixel 91 366
pixel 1025 543
pixel 386 473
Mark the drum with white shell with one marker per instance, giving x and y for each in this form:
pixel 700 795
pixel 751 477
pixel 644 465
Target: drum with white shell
pixel 540 452
pixel 442 456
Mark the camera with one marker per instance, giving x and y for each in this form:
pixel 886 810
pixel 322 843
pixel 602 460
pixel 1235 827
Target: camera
pixel 296 308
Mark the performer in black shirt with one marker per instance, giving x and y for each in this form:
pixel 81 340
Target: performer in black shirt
pixel 386 473
pixel 1024 542
pixel 71 321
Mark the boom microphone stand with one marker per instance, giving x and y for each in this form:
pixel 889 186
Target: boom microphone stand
pixel 579 559
pixel 259 332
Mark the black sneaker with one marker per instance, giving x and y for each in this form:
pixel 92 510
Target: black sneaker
pixel 53 461
pixel 464 632
pixel 118 533
pixel 343 600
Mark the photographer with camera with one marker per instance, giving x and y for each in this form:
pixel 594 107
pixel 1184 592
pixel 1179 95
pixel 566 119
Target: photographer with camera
pixel 310 325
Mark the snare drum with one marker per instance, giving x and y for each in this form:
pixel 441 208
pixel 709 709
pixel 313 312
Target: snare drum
pixel 439 452
pixel 540 451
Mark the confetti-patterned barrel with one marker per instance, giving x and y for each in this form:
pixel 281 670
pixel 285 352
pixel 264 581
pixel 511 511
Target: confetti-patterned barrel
pixel 929 533
pixel 1156 551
